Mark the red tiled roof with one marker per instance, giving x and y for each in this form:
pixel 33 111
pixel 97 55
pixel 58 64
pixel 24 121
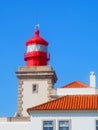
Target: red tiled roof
pixel 76 84
pixel 70 102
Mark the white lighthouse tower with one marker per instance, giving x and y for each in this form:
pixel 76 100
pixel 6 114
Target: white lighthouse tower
pixel 36 79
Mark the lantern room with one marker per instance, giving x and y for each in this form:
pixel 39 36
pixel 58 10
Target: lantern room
pixel 36 54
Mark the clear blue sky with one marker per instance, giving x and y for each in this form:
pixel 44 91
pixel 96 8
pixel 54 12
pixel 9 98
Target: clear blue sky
pixel 70 27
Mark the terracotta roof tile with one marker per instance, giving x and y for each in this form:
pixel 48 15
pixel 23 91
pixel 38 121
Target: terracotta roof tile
pixel 70 102
pixel 76 84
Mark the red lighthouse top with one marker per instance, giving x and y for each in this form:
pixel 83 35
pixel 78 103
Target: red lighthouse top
pixel 36 54
pixel 36 39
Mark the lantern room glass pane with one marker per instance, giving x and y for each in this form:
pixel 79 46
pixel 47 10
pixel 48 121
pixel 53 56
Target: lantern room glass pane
pixel 36 47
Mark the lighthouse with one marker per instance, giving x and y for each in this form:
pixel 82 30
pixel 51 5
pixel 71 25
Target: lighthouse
pixel 36 54
pixel 35 80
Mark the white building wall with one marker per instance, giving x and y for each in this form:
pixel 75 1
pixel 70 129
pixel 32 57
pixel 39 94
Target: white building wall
pixel 31 99
pixel 3 119
pixel 75 91
pixel 79 120
pixel 15 126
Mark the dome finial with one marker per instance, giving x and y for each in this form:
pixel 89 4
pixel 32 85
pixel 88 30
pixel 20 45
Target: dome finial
pixel 36 30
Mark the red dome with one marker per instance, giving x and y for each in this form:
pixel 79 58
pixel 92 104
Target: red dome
pixel 36 39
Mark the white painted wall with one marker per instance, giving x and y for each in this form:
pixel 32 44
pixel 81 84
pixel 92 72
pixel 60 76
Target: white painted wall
pixel 31 99
pixel 74 91
pixel 79 120
pixel 15 126
pixel 3 119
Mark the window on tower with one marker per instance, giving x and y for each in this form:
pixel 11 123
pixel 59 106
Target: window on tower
pixel 35 88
